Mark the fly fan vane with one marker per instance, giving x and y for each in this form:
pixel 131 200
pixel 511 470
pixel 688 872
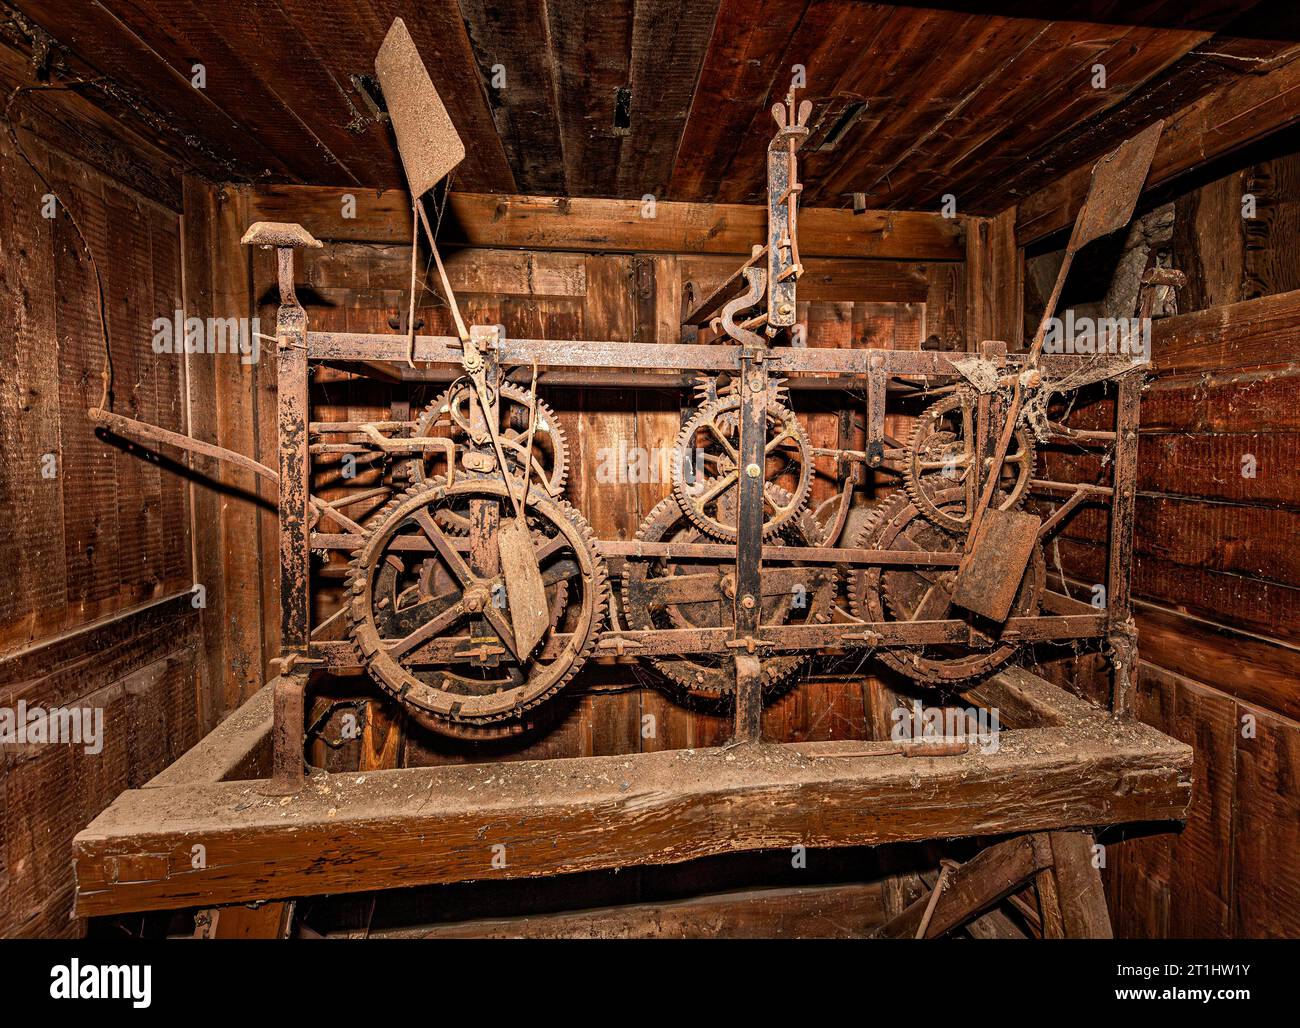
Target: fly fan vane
pixel 430 148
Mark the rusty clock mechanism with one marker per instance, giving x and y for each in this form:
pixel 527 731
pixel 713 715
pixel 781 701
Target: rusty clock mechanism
pixel 430 610
pixel 475 593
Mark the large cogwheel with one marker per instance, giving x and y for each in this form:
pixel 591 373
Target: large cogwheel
pixel 450 414
pixel 430 615
pixel 916 593
pixel 940 454
pixel 705 468
pixel 683 593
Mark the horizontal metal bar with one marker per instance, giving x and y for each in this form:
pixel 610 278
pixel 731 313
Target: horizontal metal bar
pixel 585 353
pixel 689 551
pixel 342 656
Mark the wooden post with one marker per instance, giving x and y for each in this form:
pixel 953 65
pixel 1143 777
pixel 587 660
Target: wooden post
pixel 1071 898
pixel 1122 634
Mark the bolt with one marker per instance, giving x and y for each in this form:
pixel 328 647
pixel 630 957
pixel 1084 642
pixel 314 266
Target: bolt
pixel 752 470
pixel 785 308
pixel 748 602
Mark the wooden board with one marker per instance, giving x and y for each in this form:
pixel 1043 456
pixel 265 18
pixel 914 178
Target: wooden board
pixel 143 671
pixel 663 807
pixel 550 223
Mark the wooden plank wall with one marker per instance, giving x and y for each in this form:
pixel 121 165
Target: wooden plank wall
pixel 1215 572
pixel 360 284
pixel 96 610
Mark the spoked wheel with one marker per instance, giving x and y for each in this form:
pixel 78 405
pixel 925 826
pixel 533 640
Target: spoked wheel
pixel 941 453
pixel 676 592
pixel 706 468
pixel 430 611
pixel 917 593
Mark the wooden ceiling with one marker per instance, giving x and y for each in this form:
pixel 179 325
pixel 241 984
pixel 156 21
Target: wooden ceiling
pixel 987 101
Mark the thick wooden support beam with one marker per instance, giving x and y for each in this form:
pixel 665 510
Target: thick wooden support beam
pixel 238 749
pixel 816 912
pixel 971 889
pixel 1220 339
pixel 1240 112
pixel 1074 903
pixel 356 832
pixel 631 226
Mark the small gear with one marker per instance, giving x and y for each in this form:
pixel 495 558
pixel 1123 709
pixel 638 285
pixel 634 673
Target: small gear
pixel 709 388
pixel 515 405
pixel 712 437
pixel 940 455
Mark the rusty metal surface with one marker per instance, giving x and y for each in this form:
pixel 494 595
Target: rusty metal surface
pixel 475 592
pixel 530 614
pixel 1116 183
pixel 989 582
pixel 427 140
pixel 279 233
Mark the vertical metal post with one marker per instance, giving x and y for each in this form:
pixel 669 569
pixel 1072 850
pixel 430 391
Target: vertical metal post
pixel 1122 629
pixel 877 389
pixel 749 542
pixel 485 515
pixel 291 387
pixel 288 733
pixel 989 418
pixel 783 189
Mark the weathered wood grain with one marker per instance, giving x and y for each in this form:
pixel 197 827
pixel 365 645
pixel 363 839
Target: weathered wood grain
pixel 565 816
pixel 549 223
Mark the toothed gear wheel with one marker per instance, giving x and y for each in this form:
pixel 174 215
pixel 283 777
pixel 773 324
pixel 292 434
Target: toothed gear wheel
pixel 939 459
pixel 550 447
pixel 712 437
pixel 915 593
pixel 432 633
pixel 709 388
pixel 681 593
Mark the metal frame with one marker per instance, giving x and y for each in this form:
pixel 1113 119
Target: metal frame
pixel 1053 772
pixel 767 283
pixel 1066 620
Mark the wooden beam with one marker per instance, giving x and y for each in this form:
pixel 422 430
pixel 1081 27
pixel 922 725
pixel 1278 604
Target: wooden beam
pixel 995 280
pixel 970 889
pixel 238 749
pixel 819 912
pixel 1236 114
pixel 351 832
pixel 1237 335
pixel 628 226
pixel 1081 911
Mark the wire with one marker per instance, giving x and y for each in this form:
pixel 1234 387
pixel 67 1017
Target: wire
pixel 106 397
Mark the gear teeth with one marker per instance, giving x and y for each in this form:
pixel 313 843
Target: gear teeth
pixel 868 588
pixel 498 724
pixel 545 418
pixel 708 686
pixel 715 412
pixel 706 389
pixel 921 487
